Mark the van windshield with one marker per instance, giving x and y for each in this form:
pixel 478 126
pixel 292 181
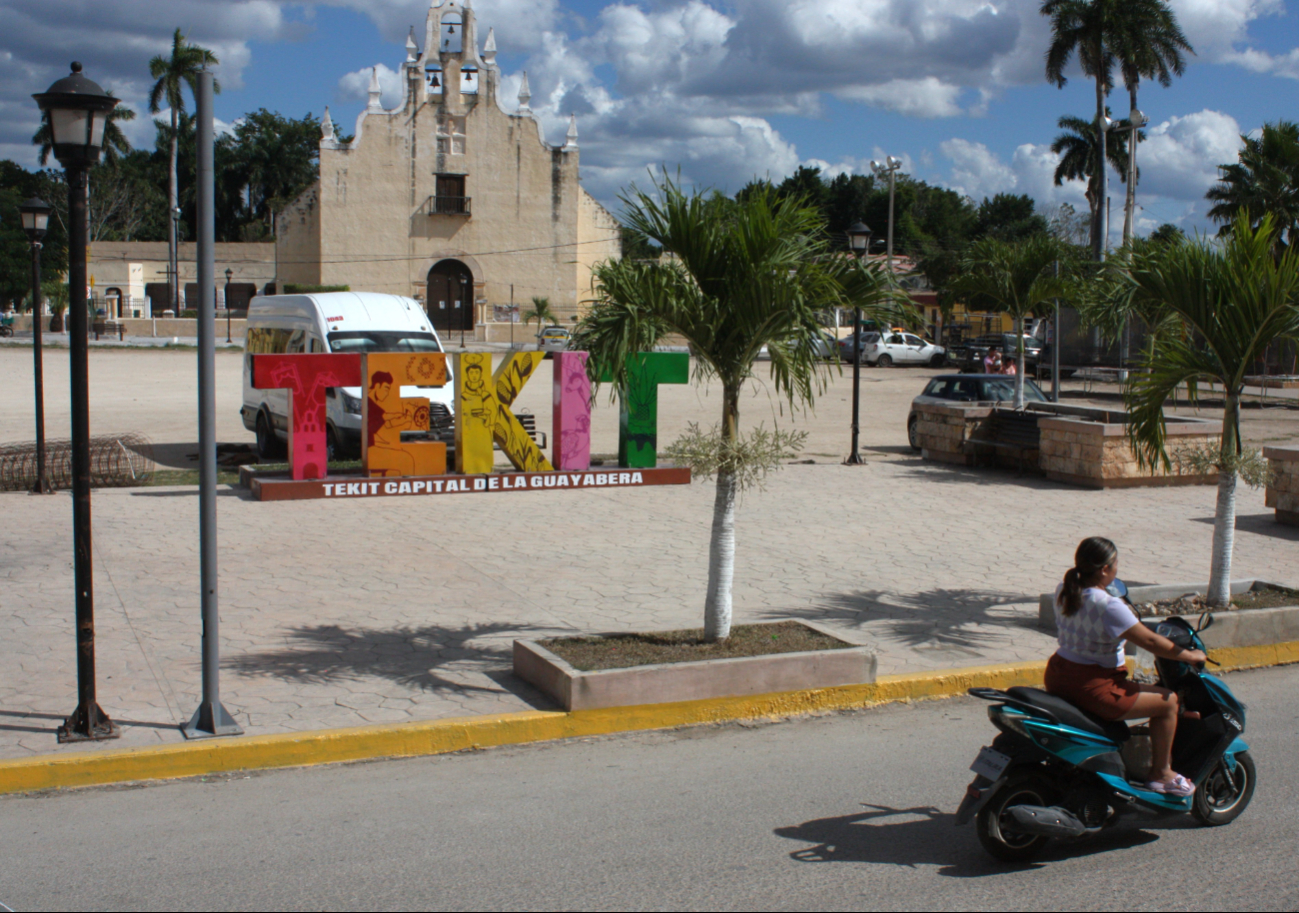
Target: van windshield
pixel 378 341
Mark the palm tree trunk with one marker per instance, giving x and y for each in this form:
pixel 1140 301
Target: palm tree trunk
pixel 1019 363
pixel 1101 225
pixel 1130 202
pixel 1224 516
pixel 721 548
pixel 173 195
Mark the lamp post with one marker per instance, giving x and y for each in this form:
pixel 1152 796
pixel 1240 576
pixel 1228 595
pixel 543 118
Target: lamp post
pixel 1136 120
pixel 36 221
pixel 175 262
pixel 859 239
pixel 229 274
pixel 78 110
pixel 888 167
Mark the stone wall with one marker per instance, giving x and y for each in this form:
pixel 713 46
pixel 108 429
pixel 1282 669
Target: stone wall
pixel 1283 490
pixel 1097 454
pixel 943 431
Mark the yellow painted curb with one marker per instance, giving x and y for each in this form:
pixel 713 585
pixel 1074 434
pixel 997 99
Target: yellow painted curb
pixel 94 768
pixel 396 740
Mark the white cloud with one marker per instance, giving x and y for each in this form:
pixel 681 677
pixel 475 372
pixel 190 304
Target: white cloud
pixel 976 171
pixel 928 97
pixel 1180 156
pixel 355 86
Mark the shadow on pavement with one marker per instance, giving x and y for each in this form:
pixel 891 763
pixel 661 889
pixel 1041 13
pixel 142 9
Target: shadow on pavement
pixel 940 618
pixel 926 836
pixel 416 657
pixel 58 718
pixel 1260 524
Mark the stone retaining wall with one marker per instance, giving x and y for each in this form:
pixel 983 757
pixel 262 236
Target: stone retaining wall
pixel 943 430
pixel 1098 454
pixel 1283 490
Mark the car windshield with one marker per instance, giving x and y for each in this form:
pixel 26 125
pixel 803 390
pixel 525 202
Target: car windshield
pixel 1002 389
pixel 555 332
pixel 380 341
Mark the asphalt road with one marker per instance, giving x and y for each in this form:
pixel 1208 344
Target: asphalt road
pixel 842 812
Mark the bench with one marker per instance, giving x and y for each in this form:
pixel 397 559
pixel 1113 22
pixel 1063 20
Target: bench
pixel 109 326
pixel 1007 431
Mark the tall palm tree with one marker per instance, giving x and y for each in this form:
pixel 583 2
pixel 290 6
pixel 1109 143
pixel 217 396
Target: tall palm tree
pixel 172 74
pixel 1079 153
pixel 1014 278
pixel 1233 302
pixel 1264 181
pixel 1087 27
pixel 1148 44
pixel 743 274
pixel 115 146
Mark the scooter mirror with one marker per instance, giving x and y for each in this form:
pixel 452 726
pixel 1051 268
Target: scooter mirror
pixel 1118 588
pixel 1205 622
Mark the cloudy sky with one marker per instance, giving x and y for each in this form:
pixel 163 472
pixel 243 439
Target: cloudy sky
pixel 724 90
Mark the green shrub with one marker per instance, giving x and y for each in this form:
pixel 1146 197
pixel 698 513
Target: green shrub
pixel 291 288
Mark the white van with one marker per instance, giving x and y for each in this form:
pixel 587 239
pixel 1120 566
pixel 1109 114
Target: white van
pixel 336 322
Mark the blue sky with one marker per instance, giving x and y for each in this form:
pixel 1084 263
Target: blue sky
pixel 725 90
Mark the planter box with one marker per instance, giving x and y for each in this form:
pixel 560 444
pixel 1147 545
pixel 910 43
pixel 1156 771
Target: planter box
pixel 1283 489
pixel 1236 628
pixel 671 682
pixel 1095 452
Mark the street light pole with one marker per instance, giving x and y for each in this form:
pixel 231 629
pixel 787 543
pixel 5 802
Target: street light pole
pixel 229 273
pixel 889 167
pixel 859 239
pixel 78 110
pixel 175 262
pixel 36 220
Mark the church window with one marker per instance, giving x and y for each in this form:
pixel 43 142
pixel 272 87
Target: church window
pixel 433 79
pixel 450 194
pixel 469 81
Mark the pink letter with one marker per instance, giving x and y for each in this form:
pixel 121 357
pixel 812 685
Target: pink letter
pixel 571 431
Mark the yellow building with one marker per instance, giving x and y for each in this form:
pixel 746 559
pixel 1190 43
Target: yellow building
pixel 449 198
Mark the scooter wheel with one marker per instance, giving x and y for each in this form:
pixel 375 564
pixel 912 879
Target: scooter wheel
pixel 996 828
pixel 1221 797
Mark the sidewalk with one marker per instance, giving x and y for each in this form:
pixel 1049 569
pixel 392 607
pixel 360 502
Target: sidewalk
pixel 349 613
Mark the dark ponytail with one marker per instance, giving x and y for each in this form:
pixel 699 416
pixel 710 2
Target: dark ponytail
pixel 1093 556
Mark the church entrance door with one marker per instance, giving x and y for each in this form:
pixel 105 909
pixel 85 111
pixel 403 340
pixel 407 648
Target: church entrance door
pixel 451 297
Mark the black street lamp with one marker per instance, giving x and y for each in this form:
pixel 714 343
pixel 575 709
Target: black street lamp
pixel 36 221
pixel 78 111
pixel 229 275
pixel 859 239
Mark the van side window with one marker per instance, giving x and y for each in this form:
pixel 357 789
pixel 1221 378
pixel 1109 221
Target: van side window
pixel 316 345
pixel 297 342
pixel 267 341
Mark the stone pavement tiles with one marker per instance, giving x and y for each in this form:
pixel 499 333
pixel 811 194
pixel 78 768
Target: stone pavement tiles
pixel 324 624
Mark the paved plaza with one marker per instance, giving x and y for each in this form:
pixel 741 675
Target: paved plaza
pixel 349 612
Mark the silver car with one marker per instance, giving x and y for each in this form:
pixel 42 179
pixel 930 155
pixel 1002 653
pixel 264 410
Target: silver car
pixel 970 388
pixel 553 339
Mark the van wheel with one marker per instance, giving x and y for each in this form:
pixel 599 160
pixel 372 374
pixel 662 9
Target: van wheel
pixel 269 447
pixel 333 449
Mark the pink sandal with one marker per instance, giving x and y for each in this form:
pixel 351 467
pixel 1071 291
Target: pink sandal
pixel 1180 786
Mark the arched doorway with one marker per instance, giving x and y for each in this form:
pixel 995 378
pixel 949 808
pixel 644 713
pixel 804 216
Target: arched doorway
pixel 450 299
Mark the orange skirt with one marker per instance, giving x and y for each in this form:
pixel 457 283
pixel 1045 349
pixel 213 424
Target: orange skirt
pixel 1106 693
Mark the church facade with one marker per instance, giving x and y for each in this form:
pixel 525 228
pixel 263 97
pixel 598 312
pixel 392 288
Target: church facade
pixel 449 198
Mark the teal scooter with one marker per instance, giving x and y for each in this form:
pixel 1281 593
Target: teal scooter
pixel 1054 771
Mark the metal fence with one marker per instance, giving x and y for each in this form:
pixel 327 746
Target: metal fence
pixel 116 461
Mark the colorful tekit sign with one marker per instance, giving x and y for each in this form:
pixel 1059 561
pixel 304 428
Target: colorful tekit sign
pixel 484 420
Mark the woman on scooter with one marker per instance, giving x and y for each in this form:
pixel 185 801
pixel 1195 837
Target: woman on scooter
pixel 1088 670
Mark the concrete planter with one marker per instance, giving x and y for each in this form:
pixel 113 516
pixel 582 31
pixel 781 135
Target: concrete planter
pixel 1283 489
pixel 1237 628
pixel 672 682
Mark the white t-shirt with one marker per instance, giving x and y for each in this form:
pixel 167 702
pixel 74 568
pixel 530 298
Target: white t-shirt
pixel 1094 634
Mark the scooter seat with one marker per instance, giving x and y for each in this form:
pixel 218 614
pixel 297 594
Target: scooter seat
pixel 1069 715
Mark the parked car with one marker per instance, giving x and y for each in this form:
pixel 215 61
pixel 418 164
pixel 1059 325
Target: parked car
pixel 846 344
pixel 336 322
pixel 553 339
pixel 825 345
pixel 968 356
pixel 902 348
pixel 970 388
